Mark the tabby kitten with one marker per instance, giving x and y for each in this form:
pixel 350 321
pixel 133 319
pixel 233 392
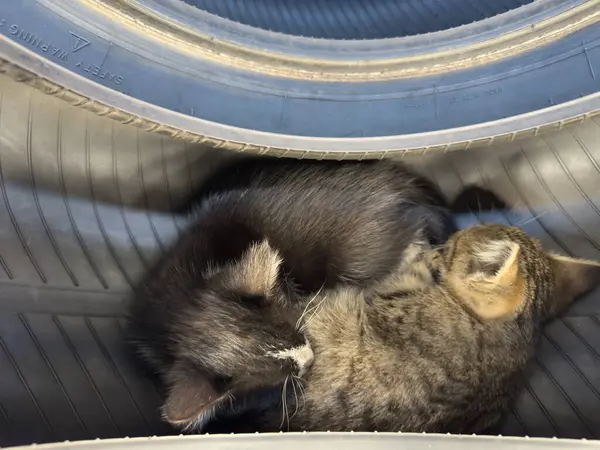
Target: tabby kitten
pixel 440 346
pixel 209 317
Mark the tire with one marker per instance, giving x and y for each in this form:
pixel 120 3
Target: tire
pixel 84 214
pixel 199 77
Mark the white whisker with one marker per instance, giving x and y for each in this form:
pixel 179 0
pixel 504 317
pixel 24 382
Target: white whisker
pixel 531 219
pixel 287 413
pixel 298 323
pixel 282 405
pixel 315 311
pixel 284 411
pixel 295 397
pixel 301 387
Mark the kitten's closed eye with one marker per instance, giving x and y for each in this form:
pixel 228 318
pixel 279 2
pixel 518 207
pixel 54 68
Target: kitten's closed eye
pixel 258 301
pixel 436 274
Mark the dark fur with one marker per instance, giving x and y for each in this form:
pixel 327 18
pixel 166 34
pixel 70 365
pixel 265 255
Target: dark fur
pixel 330 221
pixel 440 347
pixel 206 329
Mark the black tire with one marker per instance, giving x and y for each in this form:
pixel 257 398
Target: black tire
pixel 197 76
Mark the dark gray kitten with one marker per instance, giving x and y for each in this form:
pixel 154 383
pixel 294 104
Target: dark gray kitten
pixel 209 318
pixel 440 346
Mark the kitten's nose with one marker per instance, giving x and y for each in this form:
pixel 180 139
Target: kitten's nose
pixel 304 358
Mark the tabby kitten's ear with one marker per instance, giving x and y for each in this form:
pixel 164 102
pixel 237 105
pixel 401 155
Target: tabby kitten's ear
pixel 192 397
pixel 573 277
pixel 492 286
pixel 496 263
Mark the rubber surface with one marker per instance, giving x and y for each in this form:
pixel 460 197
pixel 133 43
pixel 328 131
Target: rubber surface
pixel 356 19
pixel 84 207
pixel 344 111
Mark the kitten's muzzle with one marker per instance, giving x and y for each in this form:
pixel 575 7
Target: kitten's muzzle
pixel 302 357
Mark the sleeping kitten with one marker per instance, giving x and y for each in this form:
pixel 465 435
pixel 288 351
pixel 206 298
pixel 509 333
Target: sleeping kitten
pixel 209 318
pixel 440 346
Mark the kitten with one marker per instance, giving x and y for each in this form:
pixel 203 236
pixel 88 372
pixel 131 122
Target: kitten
pixel 216 318
pixel 441 346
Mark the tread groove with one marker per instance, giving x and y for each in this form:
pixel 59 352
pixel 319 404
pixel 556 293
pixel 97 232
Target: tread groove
pixel 53 372
pixel 11 214
pixel 188 164
pixel 34 192
pixel 65 197
pixel 586 197
pixel 557 430
pixel 595 320
pixel 107 240
pixel 161 245
pixel 112 365
pixel 8 422
pixel 533 212
pixel 320 19
pixel 586 150
pixel 75 354
pixel 27 388
pixel 559 205
pixel 591 349
pixel 167 184
pixel 117 182
pixel 6 269
pixel 313 18
pixel 5 416
pixel 566 397
pixel 375 6
pixel 520 420
pixel 443 11
pixel 567 358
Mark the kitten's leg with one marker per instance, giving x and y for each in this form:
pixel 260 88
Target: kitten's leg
pixel 412 253
pixel 412 273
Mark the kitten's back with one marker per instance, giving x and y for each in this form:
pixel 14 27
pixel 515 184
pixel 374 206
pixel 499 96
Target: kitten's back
pixel 332 222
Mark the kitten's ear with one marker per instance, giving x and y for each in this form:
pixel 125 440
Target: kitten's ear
pixel 256 272
pixel 492 288
pixel 192 397
pixel 496 262
pixel 574 277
